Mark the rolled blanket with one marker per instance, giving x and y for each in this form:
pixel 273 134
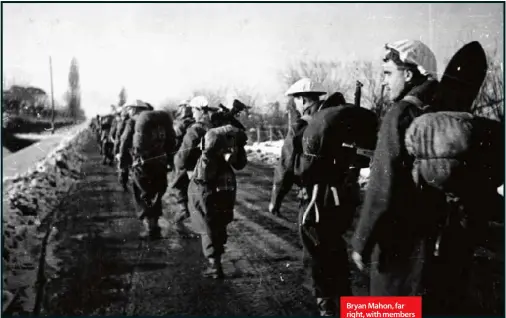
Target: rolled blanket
pixel 223 138
pixel 454 150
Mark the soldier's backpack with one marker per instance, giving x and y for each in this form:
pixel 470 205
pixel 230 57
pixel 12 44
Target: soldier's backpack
pixel 455 150
pixel 180 128
pixel 153 135
pixel 330 142
pixel 223 138
pixel 215 140
pixel 106 122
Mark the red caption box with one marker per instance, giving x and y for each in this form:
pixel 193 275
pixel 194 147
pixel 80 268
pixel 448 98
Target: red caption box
pixel 381 307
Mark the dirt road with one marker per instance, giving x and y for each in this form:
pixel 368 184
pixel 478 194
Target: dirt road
pixel 104 269
pixel 107 270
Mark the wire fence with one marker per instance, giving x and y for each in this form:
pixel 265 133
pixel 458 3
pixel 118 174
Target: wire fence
pixel 262 133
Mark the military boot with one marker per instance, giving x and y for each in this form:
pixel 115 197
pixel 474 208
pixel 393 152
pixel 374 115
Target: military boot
pixel 214 270
pixel 145 229
pixel 326 306
pixel 151 229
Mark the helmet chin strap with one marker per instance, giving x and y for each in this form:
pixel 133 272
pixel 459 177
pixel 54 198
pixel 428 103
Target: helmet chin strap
pixel 307 108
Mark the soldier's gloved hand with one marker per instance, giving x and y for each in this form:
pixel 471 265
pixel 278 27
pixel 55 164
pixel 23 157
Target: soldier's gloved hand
pixel 117 157
pixel 357 259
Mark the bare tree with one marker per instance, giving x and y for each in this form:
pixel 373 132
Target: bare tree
pixel 122 97
pixel 215 97
pixel 247 97
pixel 490 100
pixel 73 95
pixel 329 73
pixel 339 77
pixel 370 74
pixel 170 105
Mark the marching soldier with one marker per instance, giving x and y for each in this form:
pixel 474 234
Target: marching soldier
pixel 397 225
pixel 325 256
pixel 147 147
pixel 212 191
pixel 229 116
pixel 184 119
pixel 98 132
pixel 185 160
pixel 105 142
pixel 306 95
pixel 122 171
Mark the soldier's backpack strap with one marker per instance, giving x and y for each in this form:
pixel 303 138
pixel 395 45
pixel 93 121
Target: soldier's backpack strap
pixel 418 103
pixel 414 100
pixel 306 117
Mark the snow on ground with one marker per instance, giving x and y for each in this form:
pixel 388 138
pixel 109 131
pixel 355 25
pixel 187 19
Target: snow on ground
pixel 30 198
pixel 268 152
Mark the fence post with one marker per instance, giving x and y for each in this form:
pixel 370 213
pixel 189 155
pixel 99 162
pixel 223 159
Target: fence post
pixel 258 134
pixel 270 133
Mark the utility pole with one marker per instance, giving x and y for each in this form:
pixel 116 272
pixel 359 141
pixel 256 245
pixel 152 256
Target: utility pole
pixel 52 95
pixel 430 27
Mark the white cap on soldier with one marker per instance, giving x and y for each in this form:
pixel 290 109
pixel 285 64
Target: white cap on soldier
pixel 199 102
pixel 416 52
pixel 306 85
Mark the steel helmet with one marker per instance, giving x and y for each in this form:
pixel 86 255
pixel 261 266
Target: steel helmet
pixel 138 104
pixel 184 102
pixel 306 85
pixel 417 53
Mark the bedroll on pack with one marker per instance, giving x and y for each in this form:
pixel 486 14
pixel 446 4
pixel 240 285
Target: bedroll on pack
pixel 330 142
pixel 223 138
pixel 154 134
pixel 456 150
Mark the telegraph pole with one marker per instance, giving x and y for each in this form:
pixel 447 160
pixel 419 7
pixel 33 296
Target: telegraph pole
pixel 430 27
pixel 52 95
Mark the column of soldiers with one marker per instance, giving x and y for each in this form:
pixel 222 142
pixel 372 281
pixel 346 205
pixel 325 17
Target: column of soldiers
pixel 394 240
pixel 391 236
pixel 159 155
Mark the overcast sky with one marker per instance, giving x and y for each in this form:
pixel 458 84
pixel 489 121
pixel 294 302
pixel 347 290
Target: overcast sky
pixel 165 50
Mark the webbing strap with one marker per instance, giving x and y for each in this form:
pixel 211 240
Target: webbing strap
pixel 413 100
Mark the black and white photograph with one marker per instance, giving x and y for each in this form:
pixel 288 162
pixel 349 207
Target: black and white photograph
pixel 253 159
